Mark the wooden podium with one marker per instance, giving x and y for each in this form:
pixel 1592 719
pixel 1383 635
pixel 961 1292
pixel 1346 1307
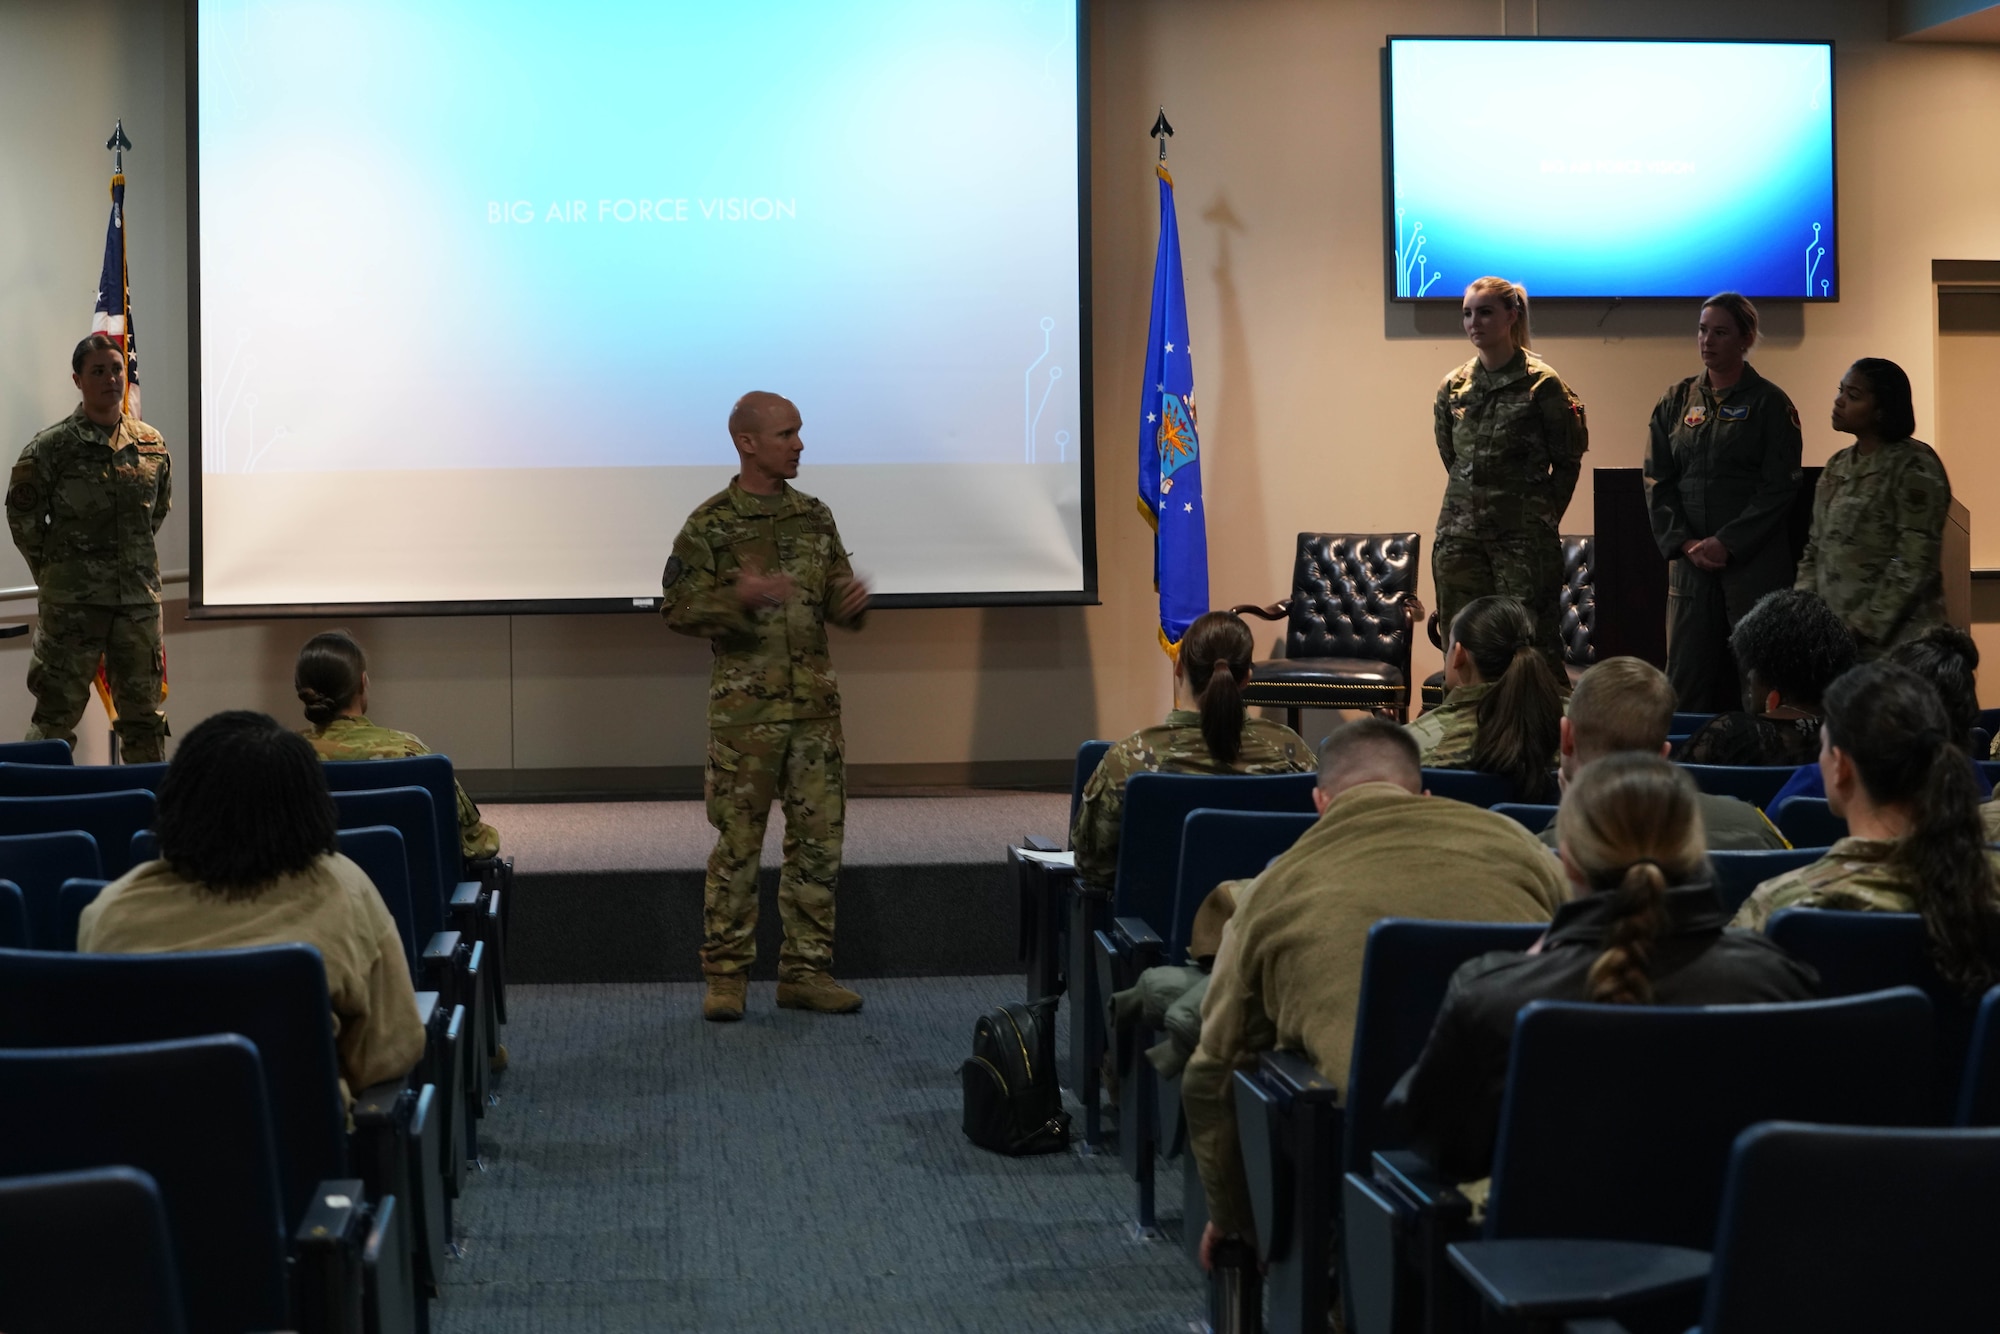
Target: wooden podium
pixel 1631 574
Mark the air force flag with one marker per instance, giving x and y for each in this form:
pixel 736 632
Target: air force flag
pixel 1169 445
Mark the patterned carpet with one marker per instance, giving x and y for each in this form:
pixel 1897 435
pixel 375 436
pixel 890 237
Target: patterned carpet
pixel 648 1171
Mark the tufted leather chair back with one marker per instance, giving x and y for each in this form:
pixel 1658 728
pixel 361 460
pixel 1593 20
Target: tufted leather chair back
pixel 1578 600
pixel 1344 591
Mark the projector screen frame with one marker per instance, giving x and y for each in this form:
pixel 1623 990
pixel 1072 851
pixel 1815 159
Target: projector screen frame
pixel 1388 250
pixel 200 610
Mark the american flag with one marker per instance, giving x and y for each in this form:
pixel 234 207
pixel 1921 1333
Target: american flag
pixel 114 294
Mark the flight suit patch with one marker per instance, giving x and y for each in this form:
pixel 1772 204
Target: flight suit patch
pixel 1696 415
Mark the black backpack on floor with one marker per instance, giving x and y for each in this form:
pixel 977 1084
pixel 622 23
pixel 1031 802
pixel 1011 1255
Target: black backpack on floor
pixel 1012 1103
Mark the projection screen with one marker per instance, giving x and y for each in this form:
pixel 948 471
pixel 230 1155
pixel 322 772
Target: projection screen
pixel 474 286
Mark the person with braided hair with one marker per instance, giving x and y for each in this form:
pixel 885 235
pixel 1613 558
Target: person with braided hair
pixel 1897 774
pixel 1208 732
pixel 1643 927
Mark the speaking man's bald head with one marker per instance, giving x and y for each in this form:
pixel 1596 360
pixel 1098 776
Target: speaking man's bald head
pixel 748 416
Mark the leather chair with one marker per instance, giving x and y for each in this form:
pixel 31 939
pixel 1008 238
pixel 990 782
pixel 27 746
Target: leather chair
pixel 1578 603
pixel 1350 624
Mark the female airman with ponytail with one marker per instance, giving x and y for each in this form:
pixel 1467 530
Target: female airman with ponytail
pixel 1643 927
pixel 1503 704
pixel 1208 732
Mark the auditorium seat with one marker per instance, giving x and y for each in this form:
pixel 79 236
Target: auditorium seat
pixel 1300 1139
pixel 274 996
pixel 39 864
pixel 36 752
pixel 1850 1230
pixel 1737 874
pixel 1350 624
pixel 214 1158
pixel 1860 952
pixel 87 1250
pixel 1616 1129
pixel 13 917
pixel 1216 845
pixel 1756 784
pixel 1044 889
pixel 1469 786
pixel 1979 1089
pixel 1534 819
pixel 108 817
pixel 71 899
pixel 479 912
pixel 1149 844
pixel 64 780
pixel 1577 603
pixel 439 904
pixel 1808 822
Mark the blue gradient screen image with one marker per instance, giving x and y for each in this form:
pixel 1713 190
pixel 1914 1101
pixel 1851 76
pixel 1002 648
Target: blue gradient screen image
pixel 508 236
pixel 1616 169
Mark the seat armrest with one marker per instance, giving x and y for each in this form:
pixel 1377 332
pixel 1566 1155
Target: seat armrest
pixel 1594 1327
pixel 326 1259
pixel 1277 611
pixel 438 965
pixel 1036 843
pixel 428 1005
pixel 465 894
pixel 1292 1074
pixel 1137 936
pixel 388 1286
pixel 1419 1184
pixel 430 1218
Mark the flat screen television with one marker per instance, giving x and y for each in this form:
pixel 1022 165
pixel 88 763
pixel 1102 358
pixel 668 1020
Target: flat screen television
pixel 1610 169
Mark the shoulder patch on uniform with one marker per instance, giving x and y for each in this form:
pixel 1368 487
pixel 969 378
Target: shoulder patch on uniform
pixel 671 575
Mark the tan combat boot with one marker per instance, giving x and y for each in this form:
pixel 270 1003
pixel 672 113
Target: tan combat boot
pixel 818 992
pixel 724 1001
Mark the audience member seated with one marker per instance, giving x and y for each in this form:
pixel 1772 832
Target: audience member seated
pixel 1215 735
pixel 1502 700
pixel 1624 705
pixel 332 681
pixel 248 857
pixel 1288 971
pixel 1644 928
pixel 1168 998
pixel 1789 647
pixel 1946 657
pixel 1915 842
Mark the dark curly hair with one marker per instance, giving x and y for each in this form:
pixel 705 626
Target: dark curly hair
pixel 1795 643
pixel 243 803
pixel 1892 725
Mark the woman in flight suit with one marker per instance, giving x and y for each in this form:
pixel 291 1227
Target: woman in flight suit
pixel 1722 468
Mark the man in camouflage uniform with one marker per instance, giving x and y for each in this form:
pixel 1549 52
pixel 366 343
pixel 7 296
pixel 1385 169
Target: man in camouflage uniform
pixel 355 738
pixel 85 501
pixel 1877 531
pixel 1513 442
pixel 758 570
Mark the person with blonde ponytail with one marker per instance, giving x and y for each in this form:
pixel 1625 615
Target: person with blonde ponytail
pixel 1512 436
pixel 1208 732
pixel 1643 927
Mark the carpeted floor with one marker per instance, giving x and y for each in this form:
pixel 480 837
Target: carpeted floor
pixel 648 1171
pixel 675 835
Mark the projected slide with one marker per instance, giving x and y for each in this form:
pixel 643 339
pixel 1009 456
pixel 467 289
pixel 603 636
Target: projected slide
pixel 1612 169
pixel 479 282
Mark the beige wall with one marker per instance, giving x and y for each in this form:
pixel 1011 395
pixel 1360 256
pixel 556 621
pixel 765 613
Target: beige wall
pixel 1315 393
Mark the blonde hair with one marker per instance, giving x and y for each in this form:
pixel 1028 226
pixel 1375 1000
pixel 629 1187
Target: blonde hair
pixel 1737 306
pixel 1631 823
pixel 1515 298
pixel 1620 704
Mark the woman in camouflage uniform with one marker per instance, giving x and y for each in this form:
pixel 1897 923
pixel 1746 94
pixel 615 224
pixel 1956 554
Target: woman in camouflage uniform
pixel 332 682
pixel 1215 736
pixel 1915 843
pixel 1512 437
pixel 1503 704
pixel 1879 515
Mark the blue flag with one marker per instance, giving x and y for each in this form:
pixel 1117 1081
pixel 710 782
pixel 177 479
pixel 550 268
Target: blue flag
pixel 1169 448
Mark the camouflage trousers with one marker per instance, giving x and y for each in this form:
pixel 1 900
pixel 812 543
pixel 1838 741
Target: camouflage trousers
pixel 69 639
pixel 1524 566
pixel 801 764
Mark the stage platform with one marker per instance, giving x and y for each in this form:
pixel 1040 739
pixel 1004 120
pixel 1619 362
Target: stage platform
pixel 611 891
